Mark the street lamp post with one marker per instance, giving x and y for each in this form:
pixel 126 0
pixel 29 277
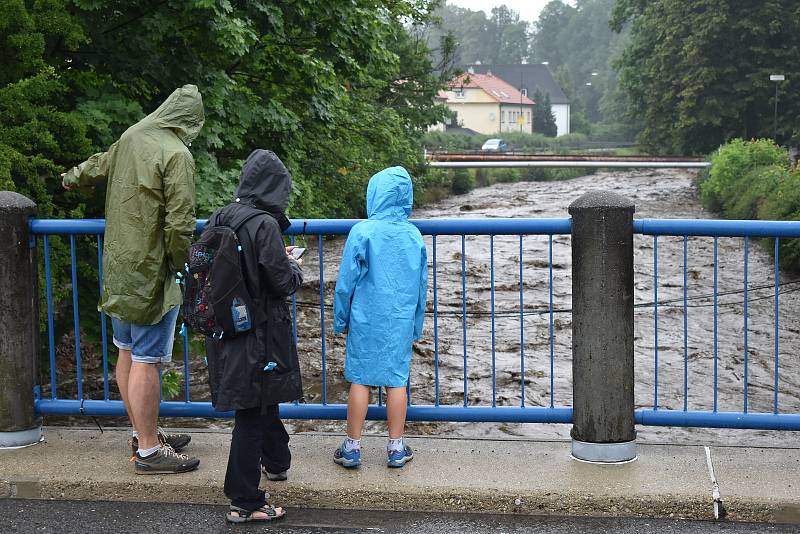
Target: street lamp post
pixel 776 78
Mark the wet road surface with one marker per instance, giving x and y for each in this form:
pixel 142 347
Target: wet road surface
pixel 23 516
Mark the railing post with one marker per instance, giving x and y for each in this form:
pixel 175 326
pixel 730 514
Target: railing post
pixel 19 323
pixel 602 328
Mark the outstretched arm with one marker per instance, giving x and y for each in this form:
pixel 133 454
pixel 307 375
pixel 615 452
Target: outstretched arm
pixel 93 171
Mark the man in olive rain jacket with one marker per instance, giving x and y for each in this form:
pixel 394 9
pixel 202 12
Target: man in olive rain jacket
pixel 150 220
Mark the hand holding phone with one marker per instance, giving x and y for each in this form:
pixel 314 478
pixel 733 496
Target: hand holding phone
pixel 297 252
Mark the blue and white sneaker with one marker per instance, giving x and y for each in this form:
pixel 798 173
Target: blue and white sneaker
pixel 347 458
pixel 399 458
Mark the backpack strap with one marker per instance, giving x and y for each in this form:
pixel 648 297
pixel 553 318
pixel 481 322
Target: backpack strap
pixel 214 219
pixel 258 313
pixel 253 215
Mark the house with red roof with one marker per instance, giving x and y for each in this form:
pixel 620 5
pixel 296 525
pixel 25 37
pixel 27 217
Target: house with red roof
pixel 487 104
pixel 529 78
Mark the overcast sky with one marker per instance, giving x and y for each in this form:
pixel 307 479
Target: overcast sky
pixel 527 9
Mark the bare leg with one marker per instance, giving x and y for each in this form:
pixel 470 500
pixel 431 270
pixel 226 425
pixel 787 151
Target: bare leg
pixel 144 397
pixel 123 370
pixel 357 404
pixel 396 411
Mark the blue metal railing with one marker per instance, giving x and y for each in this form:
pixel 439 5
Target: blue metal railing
pixel 716 229
pixel 438 410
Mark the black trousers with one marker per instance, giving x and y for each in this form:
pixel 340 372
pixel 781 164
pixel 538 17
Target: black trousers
pixel 258 440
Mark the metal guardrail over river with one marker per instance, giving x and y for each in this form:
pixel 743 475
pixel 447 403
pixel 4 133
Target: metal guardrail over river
pixel 601 229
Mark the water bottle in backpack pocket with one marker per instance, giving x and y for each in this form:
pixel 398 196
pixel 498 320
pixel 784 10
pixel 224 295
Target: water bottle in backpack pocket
pixel 240 315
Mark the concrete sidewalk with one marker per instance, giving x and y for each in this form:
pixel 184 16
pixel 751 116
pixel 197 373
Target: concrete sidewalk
pixel 512 476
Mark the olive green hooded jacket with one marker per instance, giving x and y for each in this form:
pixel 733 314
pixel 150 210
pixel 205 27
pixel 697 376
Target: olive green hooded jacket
pixel 150 216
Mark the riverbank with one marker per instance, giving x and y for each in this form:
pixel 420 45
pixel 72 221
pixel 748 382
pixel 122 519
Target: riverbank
pixel 517 476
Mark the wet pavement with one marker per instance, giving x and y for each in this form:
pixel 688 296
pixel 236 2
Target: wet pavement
pixel 17 516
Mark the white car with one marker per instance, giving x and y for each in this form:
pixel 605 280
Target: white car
pixel 495 145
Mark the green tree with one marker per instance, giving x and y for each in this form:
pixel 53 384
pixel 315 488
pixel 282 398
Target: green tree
pixel 697 72
pixel 501 38
pixel 548 34
pixel 508 37
pixel 467 29
pixel 580 48
pixel 544 121
pixel 337 88
pixel 40 131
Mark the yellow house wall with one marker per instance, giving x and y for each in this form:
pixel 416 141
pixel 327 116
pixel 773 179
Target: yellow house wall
pixel 483 118
pixel 511 125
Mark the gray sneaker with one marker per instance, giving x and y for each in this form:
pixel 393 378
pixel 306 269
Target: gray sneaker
pixel 164 461
pixel 176 441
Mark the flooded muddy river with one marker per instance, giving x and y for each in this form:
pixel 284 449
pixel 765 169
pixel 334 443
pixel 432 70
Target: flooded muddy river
pixel 656 194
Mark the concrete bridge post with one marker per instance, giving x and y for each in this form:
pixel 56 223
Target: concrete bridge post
pixel 19 323
pixel 602 328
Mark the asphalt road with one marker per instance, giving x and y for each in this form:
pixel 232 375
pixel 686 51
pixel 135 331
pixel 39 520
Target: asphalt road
pixel 123 517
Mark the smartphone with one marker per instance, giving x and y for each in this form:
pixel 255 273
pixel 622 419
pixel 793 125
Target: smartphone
pixel 297 252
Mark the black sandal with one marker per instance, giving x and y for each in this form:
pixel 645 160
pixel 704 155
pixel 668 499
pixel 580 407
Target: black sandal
pixel 240 515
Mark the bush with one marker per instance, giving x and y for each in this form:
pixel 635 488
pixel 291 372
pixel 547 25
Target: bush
pixel 431 186
pixel 782 200
pixel 752 179
pixel 614 132
pixel 482 177
pixel 575 139
pixel 453 142
pixel 534 174
pixel 463 181
pixel 522 142
pixel 746 195
pixel 732 162
pixel 506 175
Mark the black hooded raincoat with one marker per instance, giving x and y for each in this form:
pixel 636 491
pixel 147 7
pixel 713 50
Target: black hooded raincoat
pixel 236 365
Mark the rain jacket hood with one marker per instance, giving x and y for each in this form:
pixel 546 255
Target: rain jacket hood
pixel 382 285
pixel 181 112
pixel 390 195
pixel 265 183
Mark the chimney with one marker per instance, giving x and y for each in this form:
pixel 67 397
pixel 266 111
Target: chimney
pixel 471 70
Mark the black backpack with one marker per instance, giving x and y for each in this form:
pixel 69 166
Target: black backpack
pixel 216 301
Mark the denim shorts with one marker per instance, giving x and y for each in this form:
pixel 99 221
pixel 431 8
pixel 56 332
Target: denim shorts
pixel 149 343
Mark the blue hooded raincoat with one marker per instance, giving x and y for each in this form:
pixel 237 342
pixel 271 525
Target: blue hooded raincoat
pixel 382 285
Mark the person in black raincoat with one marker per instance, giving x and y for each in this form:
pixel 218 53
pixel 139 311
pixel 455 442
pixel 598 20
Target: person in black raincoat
pixel 237 365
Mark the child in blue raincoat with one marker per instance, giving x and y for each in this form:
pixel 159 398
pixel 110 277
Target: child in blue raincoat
pixel 380 303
